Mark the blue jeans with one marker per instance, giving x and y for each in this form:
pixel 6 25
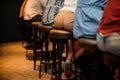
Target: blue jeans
pixel 110 43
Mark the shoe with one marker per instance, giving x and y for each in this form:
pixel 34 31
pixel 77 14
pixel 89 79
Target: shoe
pixel 68 70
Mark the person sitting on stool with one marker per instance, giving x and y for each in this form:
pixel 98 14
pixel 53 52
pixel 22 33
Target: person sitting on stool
pixel 64 20
pixel 108 36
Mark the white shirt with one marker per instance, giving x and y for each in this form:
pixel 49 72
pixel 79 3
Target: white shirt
pixel 69 5
pixel 34 7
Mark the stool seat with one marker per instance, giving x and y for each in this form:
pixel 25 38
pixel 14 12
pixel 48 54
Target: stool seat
pixel 60 34
pixel 41 26
pixel 89 44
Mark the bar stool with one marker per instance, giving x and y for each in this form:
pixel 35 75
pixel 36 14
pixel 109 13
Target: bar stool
pixel 112 62
pixel 45 54
pixel 28 33
pixel 31 35
pixel 59 38
pixel 97 63
pixel 38 41
pixel 23 29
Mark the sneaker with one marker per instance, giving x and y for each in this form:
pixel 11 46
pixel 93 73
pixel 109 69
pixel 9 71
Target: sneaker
pixel 69 71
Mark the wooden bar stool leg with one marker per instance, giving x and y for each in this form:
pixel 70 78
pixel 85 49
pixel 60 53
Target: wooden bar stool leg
pixel 40 62
pixel 97 65
pixel 60 60
pixel 54 64
pixel 34 46
pixel 46 50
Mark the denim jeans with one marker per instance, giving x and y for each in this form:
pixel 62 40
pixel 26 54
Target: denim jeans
pixel 110 43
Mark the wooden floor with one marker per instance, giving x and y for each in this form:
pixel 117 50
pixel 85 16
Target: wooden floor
pixel 15 66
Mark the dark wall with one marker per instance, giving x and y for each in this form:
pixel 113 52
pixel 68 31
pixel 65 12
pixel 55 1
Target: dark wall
pixel 10 29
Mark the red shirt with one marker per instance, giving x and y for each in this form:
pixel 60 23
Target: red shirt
pixel 110 22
